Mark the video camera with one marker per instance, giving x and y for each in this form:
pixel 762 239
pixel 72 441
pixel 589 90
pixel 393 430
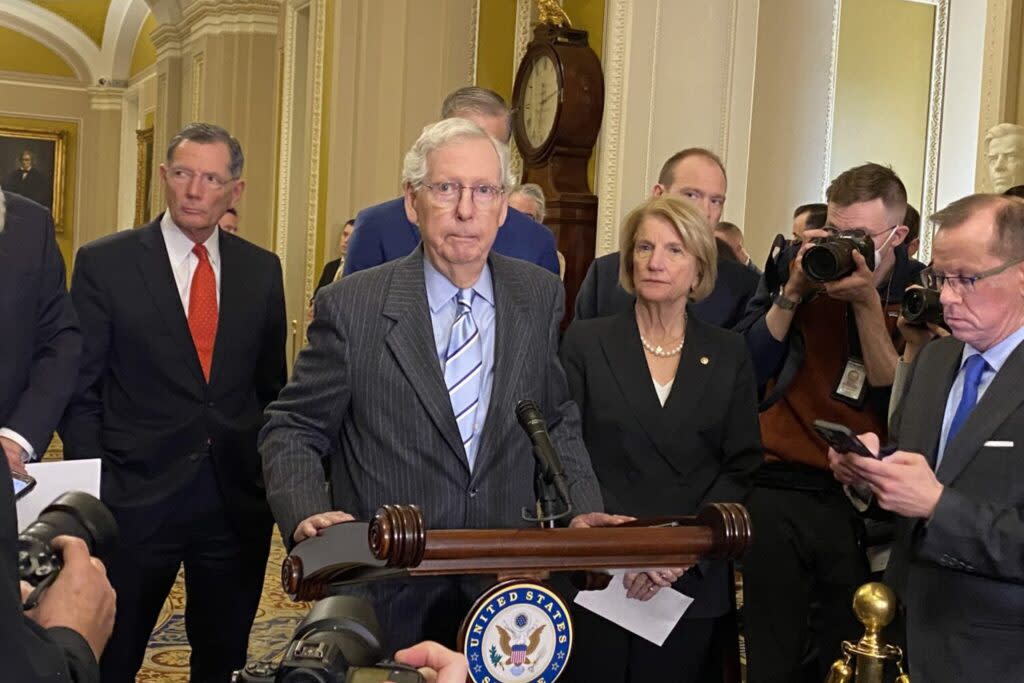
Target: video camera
pixel 922 306
pixel 74 513
pixel 337 642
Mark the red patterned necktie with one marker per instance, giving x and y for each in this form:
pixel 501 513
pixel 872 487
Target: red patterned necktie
pixel 202 309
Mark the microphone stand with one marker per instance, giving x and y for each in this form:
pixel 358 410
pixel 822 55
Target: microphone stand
pixel 549 500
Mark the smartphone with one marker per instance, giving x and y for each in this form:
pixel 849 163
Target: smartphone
pixel 23 483
pixel 842 439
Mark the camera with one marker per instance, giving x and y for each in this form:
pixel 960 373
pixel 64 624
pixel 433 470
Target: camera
pixel 922 306
pixel 337 642
pixel 71 514
pixel 831 258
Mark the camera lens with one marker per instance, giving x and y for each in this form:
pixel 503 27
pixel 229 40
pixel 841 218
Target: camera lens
pixel 828 261
pixel 922 306
pixel 73 514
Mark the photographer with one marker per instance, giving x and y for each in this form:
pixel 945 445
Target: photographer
pixel 62 637
pixel 824 347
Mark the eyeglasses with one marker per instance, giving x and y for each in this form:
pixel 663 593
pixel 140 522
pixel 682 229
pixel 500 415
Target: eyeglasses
pixel 859 232
pixel 961 284
pixel 184 176
pixel 450 193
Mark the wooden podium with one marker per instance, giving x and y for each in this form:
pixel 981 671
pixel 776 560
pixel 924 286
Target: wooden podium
pixel 396 544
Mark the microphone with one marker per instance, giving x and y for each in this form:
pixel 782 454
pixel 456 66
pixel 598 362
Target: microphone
pixel 550 464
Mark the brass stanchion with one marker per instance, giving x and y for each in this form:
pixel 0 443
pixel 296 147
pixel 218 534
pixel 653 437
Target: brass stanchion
pixel 295 340
pixel 874 604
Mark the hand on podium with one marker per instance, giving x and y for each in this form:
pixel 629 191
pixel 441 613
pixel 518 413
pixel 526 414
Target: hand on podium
pixel 437 663
pixel 639 585
pixel 311 526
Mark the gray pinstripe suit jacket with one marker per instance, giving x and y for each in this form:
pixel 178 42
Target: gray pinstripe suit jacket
pixel 367 402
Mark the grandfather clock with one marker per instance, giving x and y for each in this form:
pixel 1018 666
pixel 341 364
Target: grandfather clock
pixel 558 101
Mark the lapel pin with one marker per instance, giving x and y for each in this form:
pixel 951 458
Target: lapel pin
pixel 704 360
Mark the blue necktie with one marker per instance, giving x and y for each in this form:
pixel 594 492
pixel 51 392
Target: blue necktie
pixel 974 368
pixel 462 368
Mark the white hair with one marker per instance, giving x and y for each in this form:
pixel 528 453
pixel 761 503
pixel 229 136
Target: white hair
pixel 534 192
pixel 437 135
pixel 3 209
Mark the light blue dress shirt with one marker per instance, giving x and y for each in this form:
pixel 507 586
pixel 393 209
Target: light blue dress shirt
pixel 995 357
pixel 443 309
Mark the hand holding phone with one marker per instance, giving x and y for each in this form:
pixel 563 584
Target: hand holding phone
pixel 23 483
pixel 842 440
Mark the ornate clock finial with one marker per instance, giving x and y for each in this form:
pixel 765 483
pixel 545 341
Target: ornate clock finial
pixel 550 12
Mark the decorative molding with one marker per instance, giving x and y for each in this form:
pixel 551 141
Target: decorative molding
pixel 318 40
pixel 474 42
pixel 285 134
pixel 651 101
pixel 830 98
pixel 1000 34
pixel 167 40
pixel 40 81
pixel 318 10
pixel 728 73
pixel 143 175
pixel 104 98
pixel 935 95
pixel 616 27
pixel 198 81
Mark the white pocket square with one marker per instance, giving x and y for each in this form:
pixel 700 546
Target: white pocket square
pixel 998 444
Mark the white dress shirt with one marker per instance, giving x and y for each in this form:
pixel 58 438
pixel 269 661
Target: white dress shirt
pixel 183 261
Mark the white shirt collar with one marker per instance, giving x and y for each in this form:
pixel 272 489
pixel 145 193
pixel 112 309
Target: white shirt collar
pixel 179 246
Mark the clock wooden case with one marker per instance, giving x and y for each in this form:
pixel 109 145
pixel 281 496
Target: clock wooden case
pixel 558 102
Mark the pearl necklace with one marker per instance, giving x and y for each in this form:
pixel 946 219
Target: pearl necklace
pixel 660 352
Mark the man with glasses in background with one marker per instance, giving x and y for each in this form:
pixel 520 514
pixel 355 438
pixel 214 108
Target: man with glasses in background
pixel 417 367
pixel 184 328
pixel 957 480
pixel 822 350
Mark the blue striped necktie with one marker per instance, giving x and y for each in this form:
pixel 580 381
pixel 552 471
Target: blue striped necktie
pixel 462 368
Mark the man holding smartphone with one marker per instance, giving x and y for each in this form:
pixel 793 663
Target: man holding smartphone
pixel 62 638
pixel 957 480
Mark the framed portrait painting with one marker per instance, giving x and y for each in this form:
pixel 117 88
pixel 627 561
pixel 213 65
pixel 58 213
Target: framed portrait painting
pixel 32 164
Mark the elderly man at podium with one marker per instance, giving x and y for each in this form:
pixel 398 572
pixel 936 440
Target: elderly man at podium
pixel 407 390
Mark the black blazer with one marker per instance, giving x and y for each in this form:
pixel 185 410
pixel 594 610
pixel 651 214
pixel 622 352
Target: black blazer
pixel 601 295
pixel 327 276
pixel 703 446
pixel 142 403
pixel 41 341
pixel 961 574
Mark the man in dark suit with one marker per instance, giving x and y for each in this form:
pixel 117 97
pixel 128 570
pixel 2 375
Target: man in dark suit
pixel 62 638
pixel 29 181
pixel 396 353
pixel 957 480
pixel 184 347
pixel 384 233
pixel 697 175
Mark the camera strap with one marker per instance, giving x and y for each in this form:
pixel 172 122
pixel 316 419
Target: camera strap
pixel 794 359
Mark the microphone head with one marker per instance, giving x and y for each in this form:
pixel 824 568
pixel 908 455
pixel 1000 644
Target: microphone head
pixel 527 411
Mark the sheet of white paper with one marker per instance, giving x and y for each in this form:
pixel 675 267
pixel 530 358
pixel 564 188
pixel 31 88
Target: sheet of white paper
pixel 53 479
pixel 652 620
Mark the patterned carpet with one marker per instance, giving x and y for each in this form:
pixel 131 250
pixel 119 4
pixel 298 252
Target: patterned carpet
pixel 167 655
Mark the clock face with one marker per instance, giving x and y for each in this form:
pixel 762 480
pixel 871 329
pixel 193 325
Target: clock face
pixel 540 100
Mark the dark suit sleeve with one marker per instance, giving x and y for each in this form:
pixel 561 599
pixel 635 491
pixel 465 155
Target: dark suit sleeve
pixel 29 653
pixel 586 299
pixel 310 408
pixel 767 352
pixel 565 430
pixel 549 252
pixel 271 368
pixel 741 453
pixel 82 425
pixel 57 351
pixel 365 249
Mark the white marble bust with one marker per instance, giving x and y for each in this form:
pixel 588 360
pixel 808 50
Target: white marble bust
pixel 1004 150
